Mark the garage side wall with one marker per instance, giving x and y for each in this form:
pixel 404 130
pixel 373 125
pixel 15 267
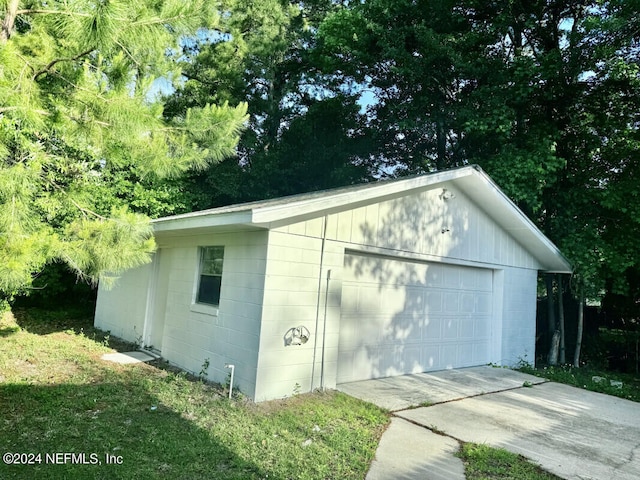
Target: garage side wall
pixel 421 227
pixel 121 309
pixel 519 316
pixel 204 338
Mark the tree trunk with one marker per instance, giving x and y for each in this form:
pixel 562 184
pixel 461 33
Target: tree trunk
pixel 576 357
pixel 637 353
pixel 551 318
pixel 9 19
pixel 553 351
pixel 441 143
pixel 563 351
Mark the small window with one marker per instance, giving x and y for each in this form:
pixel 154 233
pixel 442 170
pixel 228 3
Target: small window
pixel 210 281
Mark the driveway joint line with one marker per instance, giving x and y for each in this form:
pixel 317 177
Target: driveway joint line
pixel 481 394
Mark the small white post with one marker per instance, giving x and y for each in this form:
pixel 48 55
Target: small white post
pixel 232 367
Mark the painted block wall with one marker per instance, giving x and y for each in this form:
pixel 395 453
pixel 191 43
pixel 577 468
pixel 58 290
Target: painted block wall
pixel 121 309
pixel 296 292
pixel 411 227
pixel 193 333
pixel 519 316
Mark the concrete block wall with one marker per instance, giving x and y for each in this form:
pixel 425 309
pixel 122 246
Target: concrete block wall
pixel 292 300
pixel 121 309
pixel 193 333
pixel 519 316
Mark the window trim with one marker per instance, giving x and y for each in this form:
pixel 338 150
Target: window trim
pixel 196 304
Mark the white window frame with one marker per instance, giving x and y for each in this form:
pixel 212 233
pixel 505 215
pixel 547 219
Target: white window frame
pixel 197 304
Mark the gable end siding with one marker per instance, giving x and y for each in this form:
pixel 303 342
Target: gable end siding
pixel 415 224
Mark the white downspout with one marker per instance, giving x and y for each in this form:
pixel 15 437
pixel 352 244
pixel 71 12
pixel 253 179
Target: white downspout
pixel 319 298
pixel 324 330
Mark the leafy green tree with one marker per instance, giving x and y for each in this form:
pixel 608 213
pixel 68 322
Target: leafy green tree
pixel 542 94
pixel 323 148
pixel 413 57
pixel 303 133
pixel 77 110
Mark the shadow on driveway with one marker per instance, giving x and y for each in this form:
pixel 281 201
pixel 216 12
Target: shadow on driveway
pixel 407 391
pixel 573 433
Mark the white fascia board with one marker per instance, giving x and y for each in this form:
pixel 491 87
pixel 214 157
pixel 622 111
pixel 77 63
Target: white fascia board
pixel 507 214
pixel 188 222
pixel 317 206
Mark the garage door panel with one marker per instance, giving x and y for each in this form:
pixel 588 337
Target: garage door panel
pixel 368 299
pixel 467 303
pixel 485 283
pixel 408 331
pixel 449 328
pixel 410 317
pixel 449 356
pixel 480 352
pixel 484 303
pixel 392 299
pixel 466 326
pixel 465 355
pixel 430 357
pixel 435 276
pixel 452 278
pixel 431 329
pixel 434 301
pixel 451 302
pixel 413 302
pixel 469 280
pixel 482 328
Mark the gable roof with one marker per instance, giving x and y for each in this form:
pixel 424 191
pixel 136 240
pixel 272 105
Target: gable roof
pixel 472 180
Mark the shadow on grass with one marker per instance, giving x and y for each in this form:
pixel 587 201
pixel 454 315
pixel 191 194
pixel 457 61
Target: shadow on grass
pixel 5 332
pixel 41 321
pixel 109 420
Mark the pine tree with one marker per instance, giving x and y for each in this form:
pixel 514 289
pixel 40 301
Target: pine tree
pixel 77 82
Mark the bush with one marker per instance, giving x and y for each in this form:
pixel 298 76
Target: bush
pixel 55 287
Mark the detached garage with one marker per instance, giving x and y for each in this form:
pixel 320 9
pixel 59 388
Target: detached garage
pixel 424 273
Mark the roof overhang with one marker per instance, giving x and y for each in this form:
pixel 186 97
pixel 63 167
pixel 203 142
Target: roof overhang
pixel 471 180
pixel 487 195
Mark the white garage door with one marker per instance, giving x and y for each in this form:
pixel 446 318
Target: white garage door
pixel 403 317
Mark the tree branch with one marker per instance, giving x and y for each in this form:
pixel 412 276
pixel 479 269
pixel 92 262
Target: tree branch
pixel 52 63
pixel 51 12
pixel 156 21
pixel 189 76
pixel 84 210
pixel 9 109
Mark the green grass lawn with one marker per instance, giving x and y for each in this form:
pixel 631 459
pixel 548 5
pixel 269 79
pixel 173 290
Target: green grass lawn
pixel 57 396
pixel 482 462
pixel 590 378
pixel 147 421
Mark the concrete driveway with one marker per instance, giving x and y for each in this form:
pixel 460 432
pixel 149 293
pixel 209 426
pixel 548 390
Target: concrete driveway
pixel 406 391
pixel 570 432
